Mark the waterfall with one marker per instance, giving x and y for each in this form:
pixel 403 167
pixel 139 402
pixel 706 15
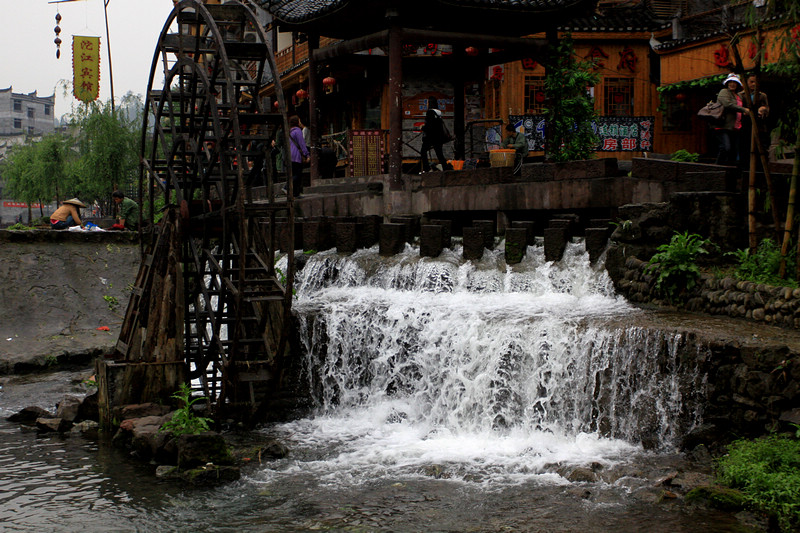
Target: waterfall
pixel 536 355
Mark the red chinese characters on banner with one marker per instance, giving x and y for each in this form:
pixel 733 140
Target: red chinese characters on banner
pixel 627 59
pixel 609 145
pixel 85 68
pixel 529 64
pixel 722 56
pixel 596 56
pixel 496 72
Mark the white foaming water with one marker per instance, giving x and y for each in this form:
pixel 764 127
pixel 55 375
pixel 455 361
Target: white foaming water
pixel 494 373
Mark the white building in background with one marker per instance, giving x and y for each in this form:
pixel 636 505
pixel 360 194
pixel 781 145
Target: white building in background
pixel 26 114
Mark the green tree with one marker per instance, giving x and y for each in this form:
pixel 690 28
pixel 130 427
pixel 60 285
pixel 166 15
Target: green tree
pixel 37 171
pixel 570 115
pixel 108 145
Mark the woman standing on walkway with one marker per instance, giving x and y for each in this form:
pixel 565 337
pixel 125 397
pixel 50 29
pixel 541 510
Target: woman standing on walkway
pixel 728 134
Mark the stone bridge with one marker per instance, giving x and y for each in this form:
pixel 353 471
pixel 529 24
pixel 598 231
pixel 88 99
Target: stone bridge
pixel 592 187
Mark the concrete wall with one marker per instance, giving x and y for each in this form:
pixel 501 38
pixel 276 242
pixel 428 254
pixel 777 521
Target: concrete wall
pixel 56 291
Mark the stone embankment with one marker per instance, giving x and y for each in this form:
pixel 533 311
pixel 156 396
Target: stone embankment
pixel 716 217
pixel 63 295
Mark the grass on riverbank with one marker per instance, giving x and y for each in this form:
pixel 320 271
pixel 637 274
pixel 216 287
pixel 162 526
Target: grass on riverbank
pixel 767 472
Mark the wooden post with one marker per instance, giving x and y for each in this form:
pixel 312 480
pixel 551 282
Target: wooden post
pixel 395 108
pixel 313 101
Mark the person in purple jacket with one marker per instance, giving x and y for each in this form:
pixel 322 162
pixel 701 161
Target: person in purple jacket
pixel 299 154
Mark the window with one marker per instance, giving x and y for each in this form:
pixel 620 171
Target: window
pixel 618 97
pixel 676 112
pixel 48 109
pixel 17 123
pixel 17 105
pixel 31 113
pixel 534 95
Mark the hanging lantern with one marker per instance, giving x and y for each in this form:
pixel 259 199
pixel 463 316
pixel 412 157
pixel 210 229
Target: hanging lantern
pixel 301 95
pixel 328 84
pixel 680 97
pixel 539 97
pixel 275 105
pixel 57 31
pixel 471 51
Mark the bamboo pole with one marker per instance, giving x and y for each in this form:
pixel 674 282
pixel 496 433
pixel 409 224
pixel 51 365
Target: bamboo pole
pixel 750 103
pixel 787 233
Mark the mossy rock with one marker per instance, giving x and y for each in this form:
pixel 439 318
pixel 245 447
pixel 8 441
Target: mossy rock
pixel 209 475
pixel 718 497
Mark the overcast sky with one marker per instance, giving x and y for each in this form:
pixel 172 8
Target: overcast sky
pixel 28 54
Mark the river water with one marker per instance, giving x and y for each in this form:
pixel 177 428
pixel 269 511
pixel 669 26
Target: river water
pixel 450 396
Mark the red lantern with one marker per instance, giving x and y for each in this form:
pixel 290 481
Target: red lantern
pixel 328 84
pixel 471 51
pixel 301 95
pixel 539 97
pixel 275 105
pixel 680 97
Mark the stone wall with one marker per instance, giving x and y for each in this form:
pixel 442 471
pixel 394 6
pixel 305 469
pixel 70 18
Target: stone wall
pixel 58 288
pixel 716 216
pixel 777 306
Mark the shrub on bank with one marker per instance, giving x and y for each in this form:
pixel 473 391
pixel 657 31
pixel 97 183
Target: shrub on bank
pixel 767 472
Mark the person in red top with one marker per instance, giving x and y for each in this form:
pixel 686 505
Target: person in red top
pixel 67 215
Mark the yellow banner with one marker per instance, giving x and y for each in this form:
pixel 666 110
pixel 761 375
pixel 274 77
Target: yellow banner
pixel 85 67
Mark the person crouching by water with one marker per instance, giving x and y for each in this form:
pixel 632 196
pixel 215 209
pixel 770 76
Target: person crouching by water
pixel 516 140
pixel 128 212
pixel 67 215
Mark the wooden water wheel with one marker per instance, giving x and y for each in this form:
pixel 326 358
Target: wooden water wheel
pixel 205 137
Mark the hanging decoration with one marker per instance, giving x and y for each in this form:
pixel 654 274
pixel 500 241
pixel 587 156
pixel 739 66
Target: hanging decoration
pixel 85 68
pixel 328 84
pixel 57 31
pixel 301 95
pixel 471 51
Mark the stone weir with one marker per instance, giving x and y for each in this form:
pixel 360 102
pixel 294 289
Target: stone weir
pixel 63 295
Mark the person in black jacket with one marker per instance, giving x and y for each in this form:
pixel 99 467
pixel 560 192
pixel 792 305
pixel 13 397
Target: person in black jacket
pixel 432 135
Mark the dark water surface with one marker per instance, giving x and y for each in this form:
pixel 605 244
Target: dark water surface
pixel 54 483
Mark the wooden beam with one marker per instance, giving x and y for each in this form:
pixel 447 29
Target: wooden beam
pixel 521 47
pixel 352 46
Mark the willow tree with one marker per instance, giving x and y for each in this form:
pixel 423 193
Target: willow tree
pixel 39 171
pixel 107 142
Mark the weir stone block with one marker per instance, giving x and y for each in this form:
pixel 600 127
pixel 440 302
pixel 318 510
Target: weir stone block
pixel 474 243
pixel 596 241
pixel 530 229
pixel 447 231
pixel 369 233
pixel 565 223
pixel 430 240
pixel 346 237
pixel 392 239
pixel 516 244
pixel 284 239
pixel 555 242
pixel 487 228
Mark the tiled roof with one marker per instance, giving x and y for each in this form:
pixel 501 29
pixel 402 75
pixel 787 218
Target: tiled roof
pixel 617 19
pixel 465 13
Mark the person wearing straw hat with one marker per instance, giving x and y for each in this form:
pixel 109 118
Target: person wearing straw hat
pixel 67 214
pixel 729 132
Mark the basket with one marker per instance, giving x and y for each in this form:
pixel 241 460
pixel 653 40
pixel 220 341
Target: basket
pixel 502 158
